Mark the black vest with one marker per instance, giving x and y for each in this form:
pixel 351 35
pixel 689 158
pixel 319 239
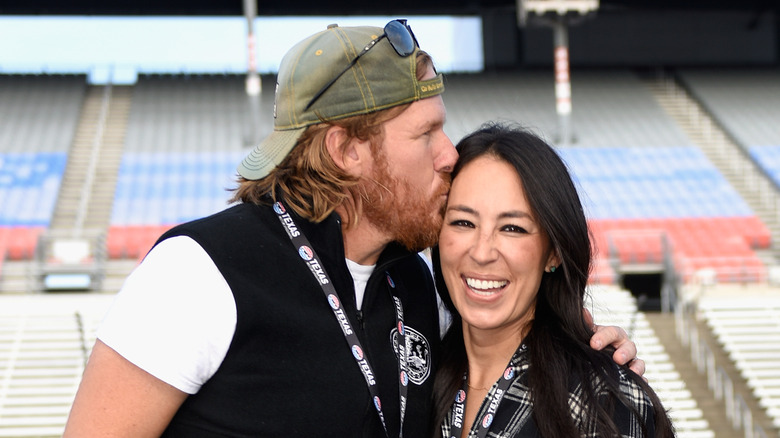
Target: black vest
pixel 289 371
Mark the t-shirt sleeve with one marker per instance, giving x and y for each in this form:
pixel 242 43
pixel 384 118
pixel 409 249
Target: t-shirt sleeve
pixel 174 317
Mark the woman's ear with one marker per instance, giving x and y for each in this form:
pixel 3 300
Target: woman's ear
pixel 553 261
pixel 347 153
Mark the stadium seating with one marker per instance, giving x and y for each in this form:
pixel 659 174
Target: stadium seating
pixel 644 201
pixel 29 183
pixel 748 328
pixel 184 141
pixel 745 103
pixel 38 118
pixel 39 113
pixel 167 188
pixel 611 305
pixel 134 241
pixel 44 344
pixel 611 107
pixel 769 159
pixel 641 179
pixel 642 182
pixel 743 100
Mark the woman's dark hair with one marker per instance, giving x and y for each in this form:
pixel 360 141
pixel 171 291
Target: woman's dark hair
pixel 558 341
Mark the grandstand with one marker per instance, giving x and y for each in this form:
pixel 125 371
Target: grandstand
pixel 678 169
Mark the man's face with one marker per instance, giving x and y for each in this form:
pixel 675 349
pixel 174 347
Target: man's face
pixel 412 175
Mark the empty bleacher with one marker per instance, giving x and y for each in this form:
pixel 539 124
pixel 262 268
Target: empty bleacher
pixel 185 137
pixel 611 108
pixel 745 103
pixel 38 117
pixel 638 197
pixel 611 305
pixel 44 344
pixel 748 329
pixel 39 113
pixel 647 189
pixel 645 185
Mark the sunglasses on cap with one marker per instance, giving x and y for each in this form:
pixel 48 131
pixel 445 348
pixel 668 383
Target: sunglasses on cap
pixel 400 36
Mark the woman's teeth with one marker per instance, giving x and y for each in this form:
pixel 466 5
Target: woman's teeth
pixel 484 287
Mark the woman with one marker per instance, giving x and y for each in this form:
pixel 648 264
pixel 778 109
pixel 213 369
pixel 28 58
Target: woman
pixel 515 255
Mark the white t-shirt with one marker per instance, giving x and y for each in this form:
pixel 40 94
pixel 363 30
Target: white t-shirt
pixel 360 276
pixel 176 320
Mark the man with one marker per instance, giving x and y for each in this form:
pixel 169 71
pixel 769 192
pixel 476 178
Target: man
pixel 304 310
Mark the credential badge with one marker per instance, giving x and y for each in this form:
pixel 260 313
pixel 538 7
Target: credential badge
pixel 418 353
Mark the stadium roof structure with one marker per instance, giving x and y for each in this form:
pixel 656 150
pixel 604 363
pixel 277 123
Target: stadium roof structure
pixel 337 7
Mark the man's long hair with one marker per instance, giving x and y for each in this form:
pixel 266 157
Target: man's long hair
pixel 558 340
pixel 309 180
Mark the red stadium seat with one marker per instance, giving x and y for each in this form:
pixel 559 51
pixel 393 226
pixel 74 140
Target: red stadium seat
pixel 602 272
pixel 724 244
pixel 132 241
pixel 22 242
pixel 4 232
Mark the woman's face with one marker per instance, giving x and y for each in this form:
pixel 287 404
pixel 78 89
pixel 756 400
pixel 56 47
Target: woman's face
pixel 493 252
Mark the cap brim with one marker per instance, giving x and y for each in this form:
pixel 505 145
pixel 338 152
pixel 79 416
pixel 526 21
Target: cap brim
pixel 269 153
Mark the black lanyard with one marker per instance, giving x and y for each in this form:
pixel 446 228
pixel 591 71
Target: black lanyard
pixel 483 425
pixel 310 258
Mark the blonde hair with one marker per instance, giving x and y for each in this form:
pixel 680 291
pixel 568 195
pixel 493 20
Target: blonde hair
pixel 309 180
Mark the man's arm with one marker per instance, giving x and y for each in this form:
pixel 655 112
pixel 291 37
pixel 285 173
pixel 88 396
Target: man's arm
pixel 118 399
pixel 625 349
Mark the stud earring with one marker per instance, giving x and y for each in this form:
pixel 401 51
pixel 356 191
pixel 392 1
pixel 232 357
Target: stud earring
pixel 552 269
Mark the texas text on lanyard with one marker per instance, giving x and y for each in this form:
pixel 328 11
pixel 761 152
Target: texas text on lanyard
pixel 309 256
pixel 483 424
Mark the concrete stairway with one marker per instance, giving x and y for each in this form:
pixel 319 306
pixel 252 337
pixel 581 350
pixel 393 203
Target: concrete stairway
pixel 83 211
pixel 87 191
pixel 713 410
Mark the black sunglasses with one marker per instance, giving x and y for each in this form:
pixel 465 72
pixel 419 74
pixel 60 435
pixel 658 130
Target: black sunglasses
pixel 400 36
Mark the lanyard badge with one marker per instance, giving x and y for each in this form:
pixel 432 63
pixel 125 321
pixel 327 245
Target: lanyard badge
pixel 483 423
pixel 309 257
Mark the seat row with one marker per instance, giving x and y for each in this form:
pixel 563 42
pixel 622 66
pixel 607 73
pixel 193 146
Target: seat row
pixel 748 329
pixel 44 344
pixel 611 305
pixel 725 244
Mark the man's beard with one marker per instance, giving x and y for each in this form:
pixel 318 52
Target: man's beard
pixel 403 211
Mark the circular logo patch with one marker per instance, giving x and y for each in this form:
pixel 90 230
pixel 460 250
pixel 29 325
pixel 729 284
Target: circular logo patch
pixel 279 208
pixel 460 397
pixel 418 353
pixel 357 352
pixel 333 300
pixel 487 420
pixel 509 373
pixel 306 253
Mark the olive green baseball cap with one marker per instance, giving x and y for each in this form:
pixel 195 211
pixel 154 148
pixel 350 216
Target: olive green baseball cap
pixel 380 79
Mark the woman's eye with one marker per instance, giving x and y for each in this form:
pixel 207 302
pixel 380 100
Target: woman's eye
pixel 514 229
pixel 461 223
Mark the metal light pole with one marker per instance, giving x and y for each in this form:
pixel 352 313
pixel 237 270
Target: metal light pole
pixel 558 14
pixel 253 85
pixel 562 80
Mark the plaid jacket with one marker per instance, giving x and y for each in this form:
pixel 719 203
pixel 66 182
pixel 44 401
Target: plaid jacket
pixel 514 415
